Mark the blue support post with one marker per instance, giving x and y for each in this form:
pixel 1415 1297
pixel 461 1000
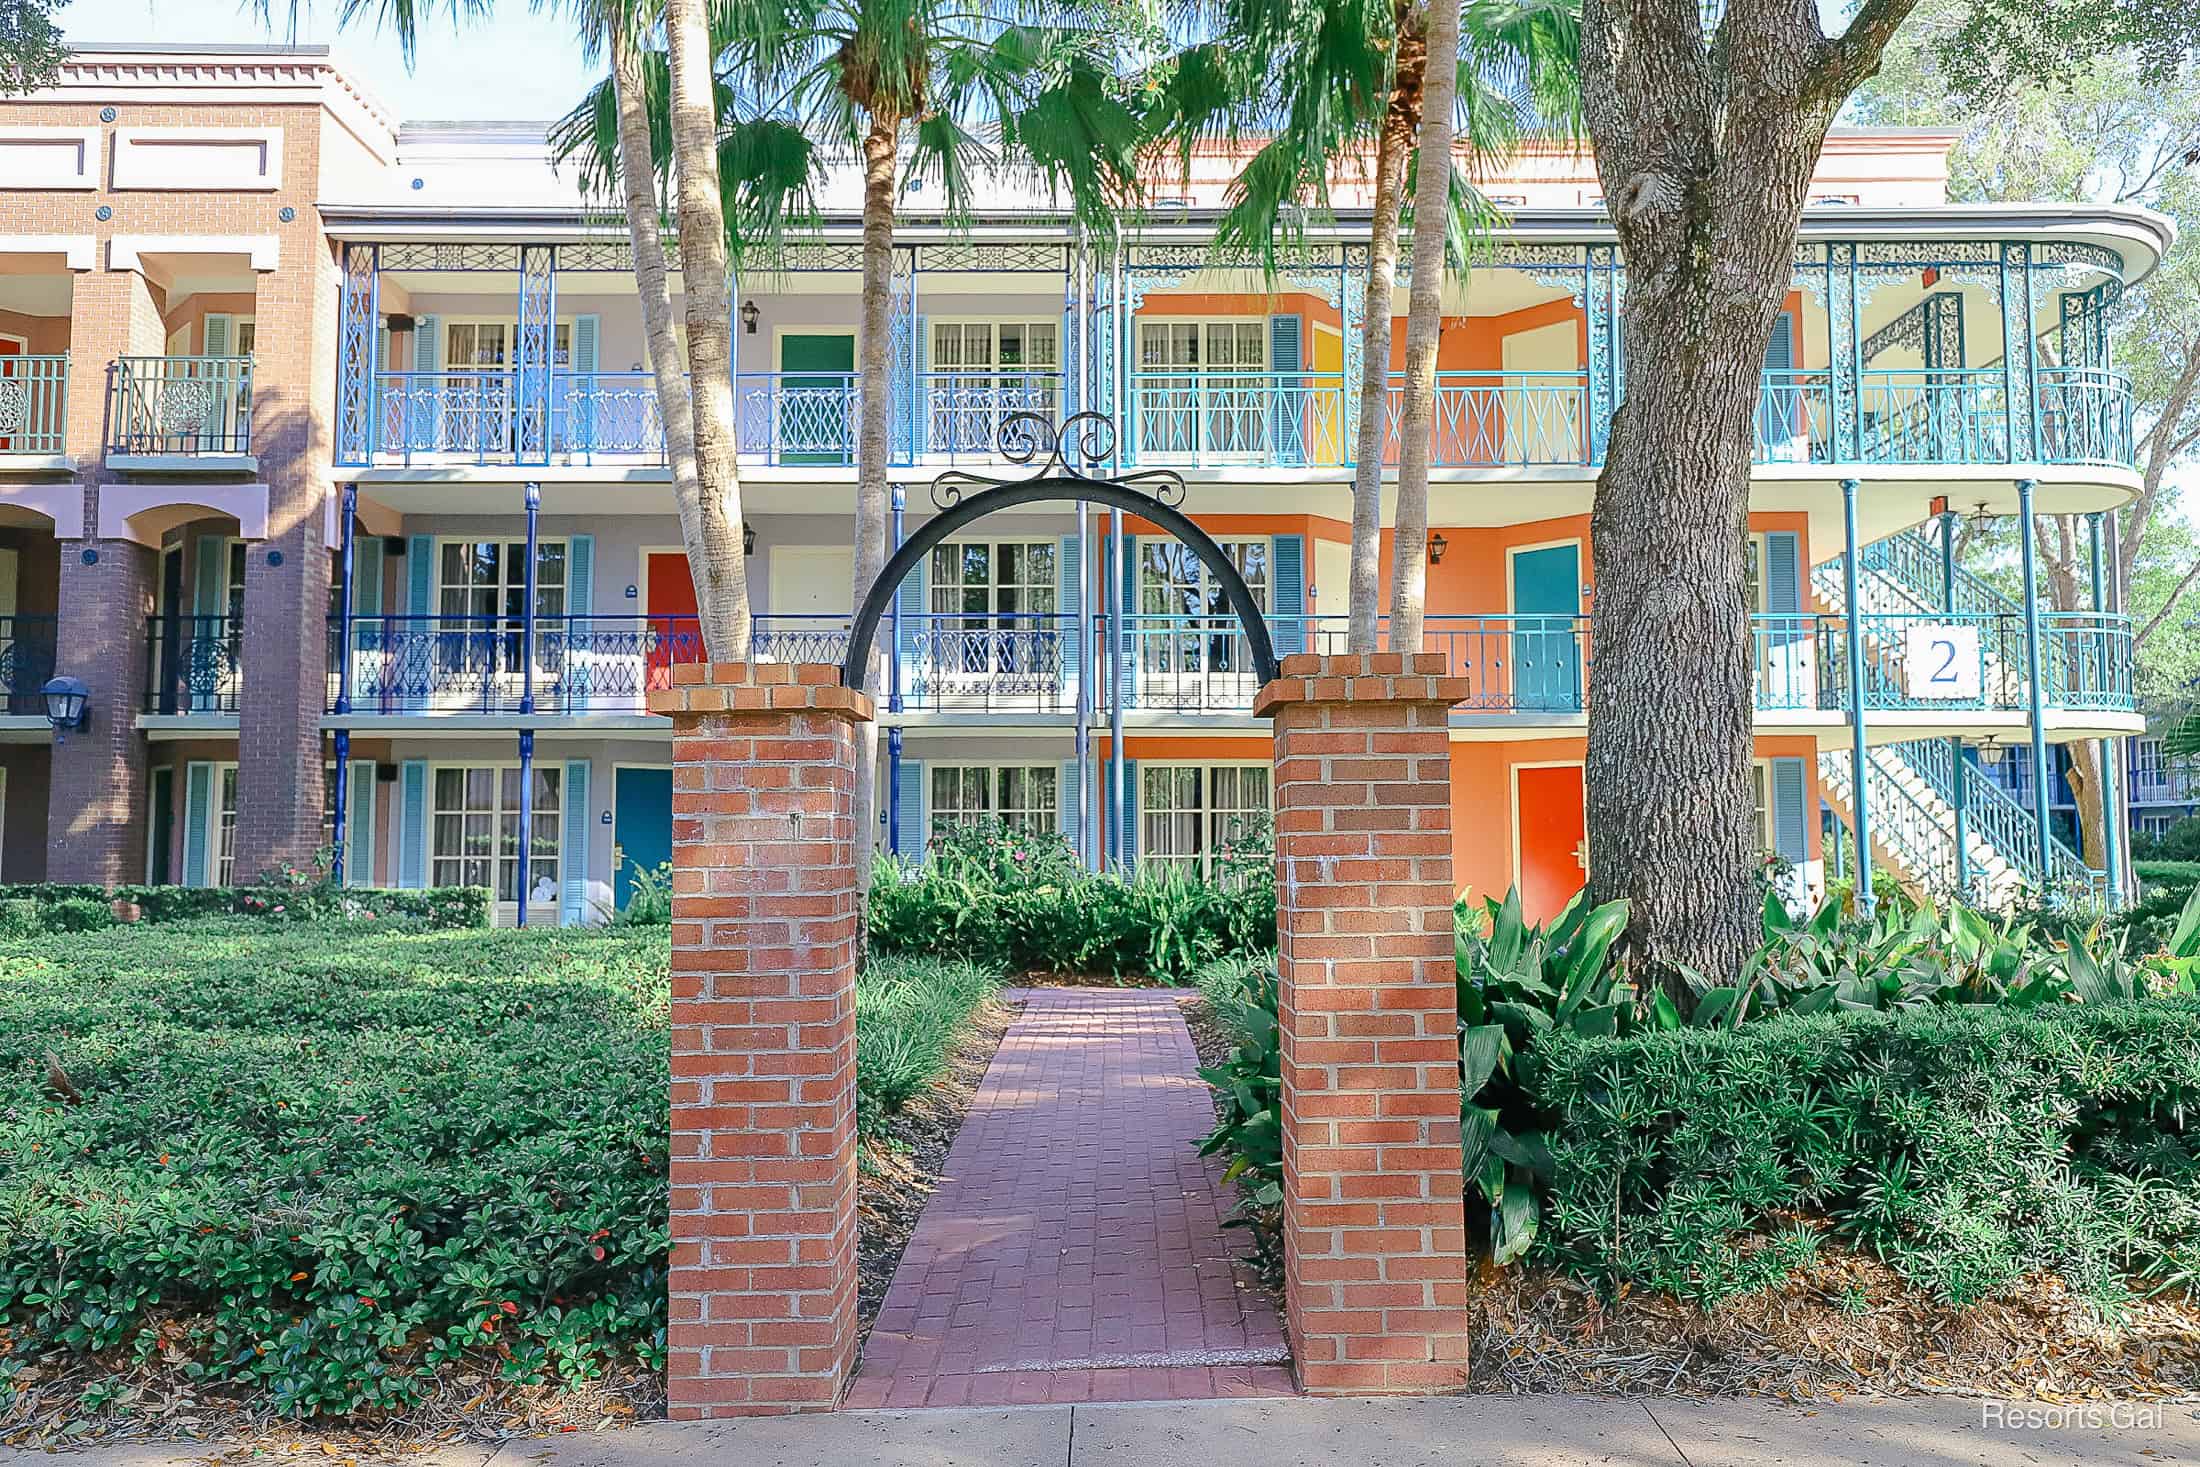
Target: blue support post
pixel 527 604
pixel 1112 595
pixel 900 502
pixel 1860 789
pixel 2112 825
pixel 893 789
pixel 343 807
pixel 526 814
pixel 2036 690
pixel 1087 850
pixel 344 604
pixel 1958 796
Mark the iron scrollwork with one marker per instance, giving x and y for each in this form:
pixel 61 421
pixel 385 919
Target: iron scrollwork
pixel 1073 449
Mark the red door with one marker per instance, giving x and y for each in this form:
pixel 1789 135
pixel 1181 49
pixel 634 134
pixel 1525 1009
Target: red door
pixel 11 348
pixel 1554 844
pixel 676 634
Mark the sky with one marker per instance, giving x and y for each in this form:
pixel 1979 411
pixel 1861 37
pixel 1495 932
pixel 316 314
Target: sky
pixel 514 65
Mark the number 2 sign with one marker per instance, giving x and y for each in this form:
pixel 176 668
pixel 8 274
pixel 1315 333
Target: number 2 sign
pixel 1942 664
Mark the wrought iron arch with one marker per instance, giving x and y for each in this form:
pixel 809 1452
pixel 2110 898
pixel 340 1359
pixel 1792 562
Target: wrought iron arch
pixel 1083 441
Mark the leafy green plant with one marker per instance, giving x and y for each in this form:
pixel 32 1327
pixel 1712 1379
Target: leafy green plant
pixel 1241 993
pixel 909 1014
pixel 649 903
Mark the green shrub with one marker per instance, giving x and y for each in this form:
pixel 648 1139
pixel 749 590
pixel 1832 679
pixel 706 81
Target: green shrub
pixel 325 1161
pixel 909 1014
pixel 1241 993
pixel 1969 1147
pixel 19 917
pixel 305 899
pixel 78 914
pixel 1018 901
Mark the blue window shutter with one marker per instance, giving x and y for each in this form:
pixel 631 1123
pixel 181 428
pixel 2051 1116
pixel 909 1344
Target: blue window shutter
pixel 580 579
pixel 1780 348
pixel 573 414
pixel 909 811
pixel 1134 630
pixel 412 831
pixel 420 575
pixel 1779 407
pixel 359 824
pixel 198 803
pixel 586 329
pixel 920 390
pixel 366 576
pixel 1287 410
pixel 910 608
pixel 573 837
pixel 427 344
pixel 1070 576
pixel 1127 818
pixel 1783 573
pixel 1287 602
pixel 1788 812
pixel 1071 820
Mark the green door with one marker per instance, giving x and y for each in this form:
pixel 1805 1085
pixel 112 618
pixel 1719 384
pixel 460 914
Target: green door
pixel 1546 643
pixel 641 825
pixel 814 410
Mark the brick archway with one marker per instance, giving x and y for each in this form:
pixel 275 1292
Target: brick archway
pixel 765 919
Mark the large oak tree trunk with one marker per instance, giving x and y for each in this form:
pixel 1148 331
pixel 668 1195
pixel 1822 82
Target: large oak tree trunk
pixel 875 417
pixel 1706 154
pixel 715 557
pixel 1424 324
pixel 1392 146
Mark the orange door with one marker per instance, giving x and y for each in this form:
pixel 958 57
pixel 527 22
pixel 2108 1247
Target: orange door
pixel 1554 844
pixel 676 634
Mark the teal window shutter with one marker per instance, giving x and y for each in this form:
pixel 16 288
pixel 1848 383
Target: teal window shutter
pixel 573 838
pixel 412 829
pixel 580 577
pixel 359 824
pixel 1070 576
pixel 1779 403
pixel 366 576
pixel 1127 825
pixel 909 811
pixel 424 410
pixel 217 335
pixel 573 402
pixel 1287 408
pixel 198 803
pixel 1071 821
pixel 427 344
pixel 910 609
pixel 420 575
pixel 1287 594
pixel 1783 573
pixel 1788 810
pixel 920 428
pixel 1134 629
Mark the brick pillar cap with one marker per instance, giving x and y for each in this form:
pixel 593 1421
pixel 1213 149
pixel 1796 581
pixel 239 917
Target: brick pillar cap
pixel 1374 677
pixel 759 687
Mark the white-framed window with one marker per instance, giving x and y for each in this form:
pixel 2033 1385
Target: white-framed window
pixel 1006 347
pixel 474 829
pixel 488 341
pixel 1185 624
pixel 995 578
pixel 1188 814
pixel 222 838
pixel 1023 796
pixel 1760 786
pixel 486 580
pixel 1189 344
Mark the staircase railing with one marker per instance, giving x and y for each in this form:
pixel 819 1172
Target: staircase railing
pixel 1916 836
pixel 2004 822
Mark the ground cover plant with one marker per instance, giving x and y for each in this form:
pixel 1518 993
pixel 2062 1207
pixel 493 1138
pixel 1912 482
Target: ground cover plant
pixel 318 1163
pixel 993 894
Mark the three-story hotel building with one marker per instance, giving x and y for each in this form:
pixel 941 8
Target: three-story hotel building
pixel 290 393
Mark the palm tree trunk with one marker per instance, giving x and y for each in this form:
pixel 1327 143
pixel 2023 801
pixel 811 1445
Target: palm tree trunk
pixel 645 230
pixel 1392 144
pixel 875 398
pixel 715 557
pixel 1424 322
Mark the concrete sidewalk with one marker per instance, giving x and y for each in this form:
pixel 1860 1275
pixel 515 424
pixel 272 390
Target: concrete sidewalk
pixel 1459 1431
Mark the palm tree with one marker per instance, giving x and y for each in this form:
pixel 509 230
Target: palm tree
pixel 1319 87
pixel 695 394
pixel 936 89
pixel 1515 74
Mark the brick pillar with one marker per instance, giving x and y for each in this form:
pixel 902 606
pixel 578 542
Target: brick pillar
pixel 1374 1221
pixel 95 802
pixel 764 924
pixel 286 576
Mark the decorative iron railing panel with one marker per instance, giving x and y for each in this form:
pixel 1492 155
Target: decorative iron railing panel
pixel 34 403
pixel 26 661
pixel 190 406
pixel 194 664
pixel 1500 419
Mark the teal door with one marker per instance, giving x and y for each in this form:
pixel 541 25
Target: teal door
pixel 813 412
pixel 1546 642
pixel 641 824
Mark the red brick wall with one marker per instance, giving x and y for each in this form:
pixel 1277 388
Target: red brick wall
pixel 764 924
pixel 1374 1226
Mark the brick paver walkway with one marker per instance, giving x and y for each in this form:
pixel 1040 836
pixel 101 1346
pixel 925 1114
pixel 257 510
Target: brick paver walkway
pixel 1075 1251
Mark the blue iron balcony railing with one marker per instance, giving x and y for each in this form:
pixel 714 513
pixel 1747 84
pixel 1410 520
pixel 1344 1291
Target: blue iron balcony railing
pixel 193 664
pixel 26 661
pixel 194 407
pixel 34 403
pixel 1223 418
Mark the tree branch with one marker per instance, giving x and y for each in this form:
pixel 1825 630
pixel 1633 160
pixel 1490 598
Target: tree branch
pixel 1848 59
pixel 2169 604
